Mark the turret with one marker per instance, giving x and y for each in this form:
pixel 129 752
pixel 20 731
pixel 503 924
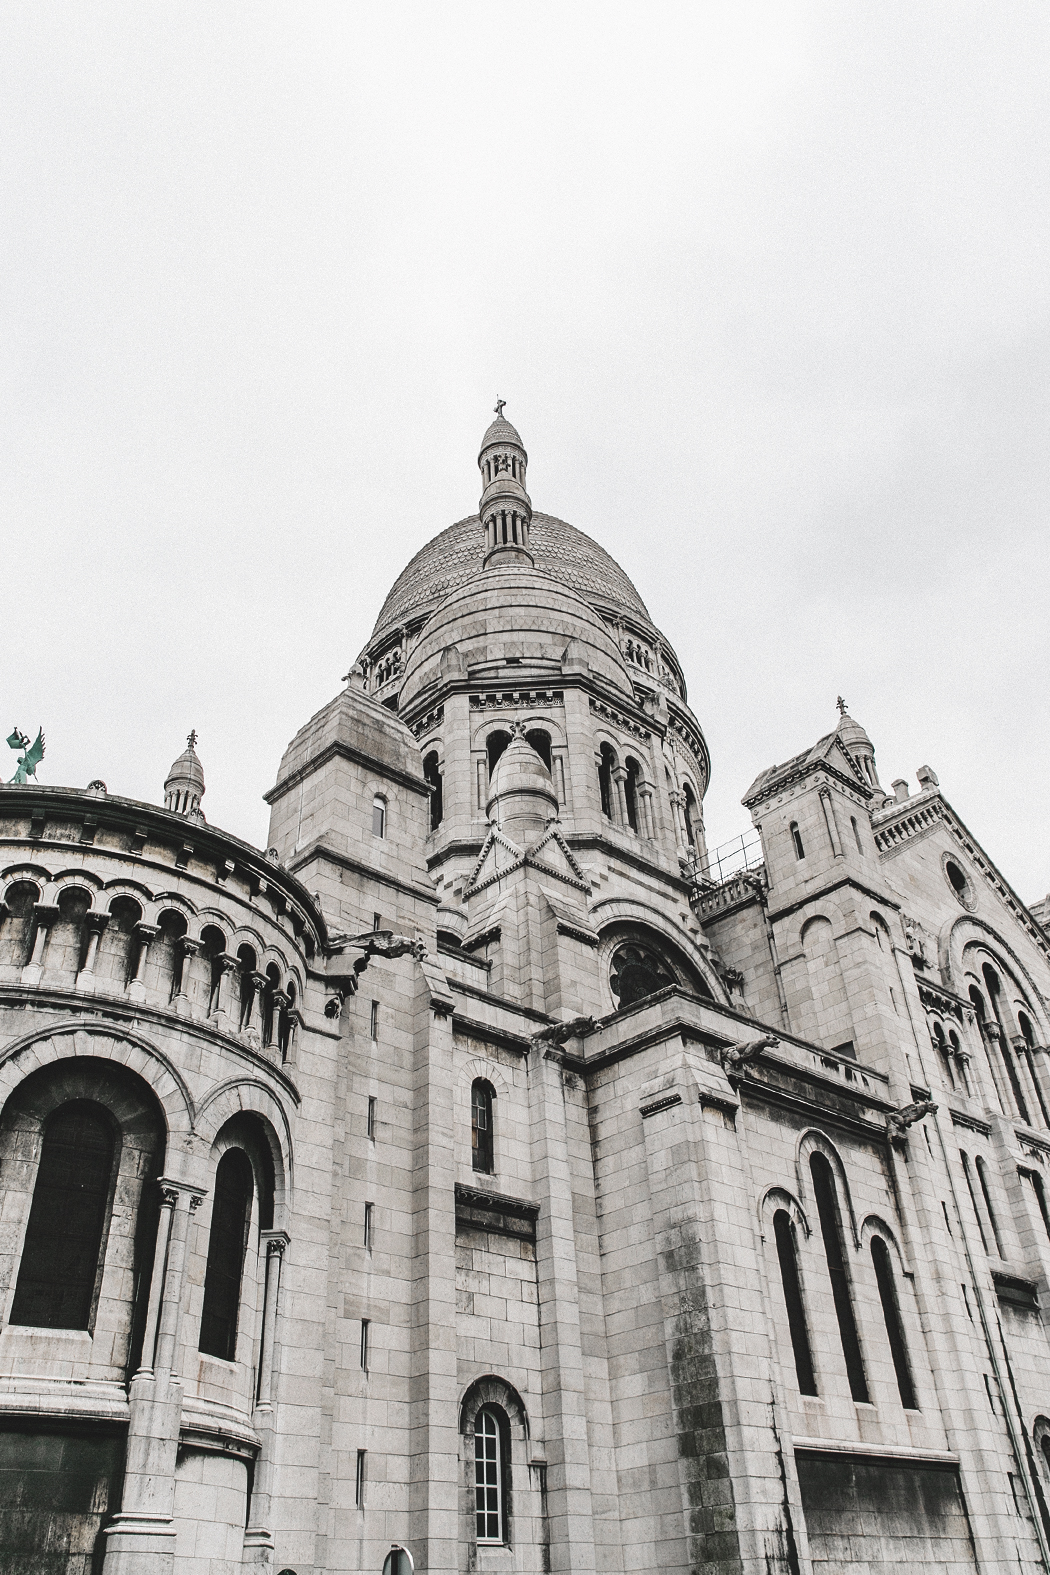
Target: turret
pixel 184 787
pixel 505 507
pixel 522 797
pixel 853 737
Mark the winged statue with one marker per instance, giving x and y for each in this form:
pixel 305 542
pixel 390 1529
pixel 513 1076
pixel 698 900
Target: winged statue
pixel 32 755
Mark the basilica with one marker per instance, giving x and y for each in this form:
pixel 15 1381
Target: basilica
pixel 490 1175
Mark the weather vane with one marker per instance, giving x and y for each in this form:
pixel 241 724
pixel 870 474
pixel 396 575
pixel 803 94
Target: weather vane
pixel 499 407
pixel 31 756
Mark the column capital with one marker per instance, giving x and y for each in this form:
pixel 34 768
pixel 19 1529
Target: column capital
pixel 172 1191
pixel 96 920
pixel 230 964
pixel 147 932
pixel 190 947
pixel 276 1242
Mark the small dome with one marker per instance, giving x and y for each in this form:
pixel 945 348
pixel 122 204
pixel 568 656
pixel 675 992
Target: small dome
pixel 184 785
pixel 500 431
pixel 522 797
pixel 852 734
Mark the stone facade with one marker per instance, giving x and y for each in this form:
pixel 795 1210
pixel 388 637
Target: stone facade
pixel 491 1177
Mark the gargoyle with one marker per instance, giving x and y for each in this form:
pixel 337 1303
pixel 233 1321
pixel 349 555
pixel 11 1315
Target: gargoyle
pixel 374 943
pixel 557 1033
pixel 735 1057
pixel 898 1121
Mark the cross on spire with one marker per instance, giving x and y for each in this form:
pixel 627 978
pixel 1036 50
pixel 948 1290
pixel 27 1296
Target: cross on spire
pixel 499 407
pixel 191 737
pixel 841 705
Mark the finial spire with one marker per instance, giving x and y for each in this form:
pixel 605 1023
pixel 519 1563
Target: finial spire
pixel 841 705
pixel 191 738
pixel 499 407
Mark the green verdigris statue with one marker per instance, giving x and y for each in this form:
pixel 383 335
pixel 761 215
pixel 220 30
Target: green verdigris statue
pixel 31 756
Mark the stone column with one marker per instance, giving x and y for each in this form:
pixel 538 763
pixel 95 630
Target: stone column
pixel 562 1378
pixel 188 949
pixel 258 1536
pixel 645 795
pixel 255 1006
pixel 137 986
pixel 46 913
pixel 619 777
pixel 141 1540
pixel 96 923
pixel 230 966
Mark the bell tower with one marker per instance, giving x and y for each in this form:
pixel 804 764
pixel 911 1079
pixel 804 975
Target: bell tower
pixel 505 507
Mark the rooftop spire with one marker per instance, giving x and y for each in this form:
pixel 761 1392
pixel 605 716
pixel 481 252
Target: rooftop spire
pixel 505 507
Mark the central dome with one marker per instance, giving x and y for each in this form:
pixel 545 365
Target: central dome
pixel 455 557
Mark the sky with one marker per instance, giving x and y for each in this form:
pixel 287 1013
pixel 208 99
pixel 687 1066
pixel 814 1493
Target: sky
pixel 766 288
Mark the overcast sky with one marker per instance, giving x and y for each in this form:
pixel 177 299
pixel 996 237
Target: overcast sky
pixel 766 289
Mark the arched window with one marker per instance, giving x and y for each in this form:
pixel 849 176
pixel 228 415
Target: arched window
pixel 856 833
pixel 880 1258
pixel 796 837
pixel 495 744
pixel 630 790
pixel 166 954
pixel 787 1253
pixel 637 971
pixel 117 952
pixel 986 1193
pixel 1026 1048
pixel 248 961
pixel 540 741
pixel 606 761
pixel 68 942
pixel 213 949
pixel 284 1026
pixel 991 980
pixel 432 776
pixel 273 984
pixel 831 1229
pixel 692 817
pixel 230 1218
pixel 968 1176
pixel 482 1150
pixel 16 927
pixel 61 1257
pixel 940 1044
pixel 379 816
pixel 489 1475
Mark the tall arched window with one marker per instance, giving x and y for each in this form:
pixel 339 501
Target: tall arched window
pixel 489 1457
pixel 831 1229
pixel 284 1026
pixel 482 1148
pixel 248 964
pixel 630 790
pixel 606 761
pixel 973 1198
pixel 432 776
pixel 379 816
pixel 540 740
pixel 230 1218
pixel 117 951
pixel 796 837
pixel 787 1253
pixel 494 747
pixel 692 817
pixel 991 979
pixel 62 1254
pixel 986 1193
pixel 68 943
pixel 213 947
pixel 880 1258
pixel 166 954
pixel 1027 1046
pixel 269 1005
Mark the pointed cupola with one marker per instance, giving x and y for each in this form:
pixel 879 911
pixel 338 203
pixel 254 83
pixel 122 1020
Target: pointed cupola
pixel 856 741
pixel 505 507
pixel 184 787
pixel 522 798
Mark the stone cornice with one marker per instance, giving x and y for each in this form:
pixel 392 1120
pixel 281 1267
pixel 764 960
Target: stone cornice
pixel 798 773
pixel 825 891
pixel 346 861
pixel 337 749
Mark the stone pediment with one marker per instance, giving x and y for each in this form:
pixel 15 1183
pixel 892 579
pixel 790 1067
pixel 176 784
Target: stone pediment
pixel 550 856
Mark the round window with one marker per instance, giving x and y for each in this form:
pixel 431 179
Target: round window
pixel 636 972
pixel 959 881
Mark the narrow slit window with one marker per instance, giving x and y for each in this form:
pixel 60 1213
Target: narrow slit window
pixel 378 816
pixel 982 1176
pixel 67 1220
pixel 856 834
pixel 796 837
pixel 373 1021
pixel 482 1096
pixel 370 1209
pixel 831 1230
pixel 488 1477
pixel 365 1328
pixel 788 1256
pixel 359 1479
pixel 371 1117
pixel 891 1312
